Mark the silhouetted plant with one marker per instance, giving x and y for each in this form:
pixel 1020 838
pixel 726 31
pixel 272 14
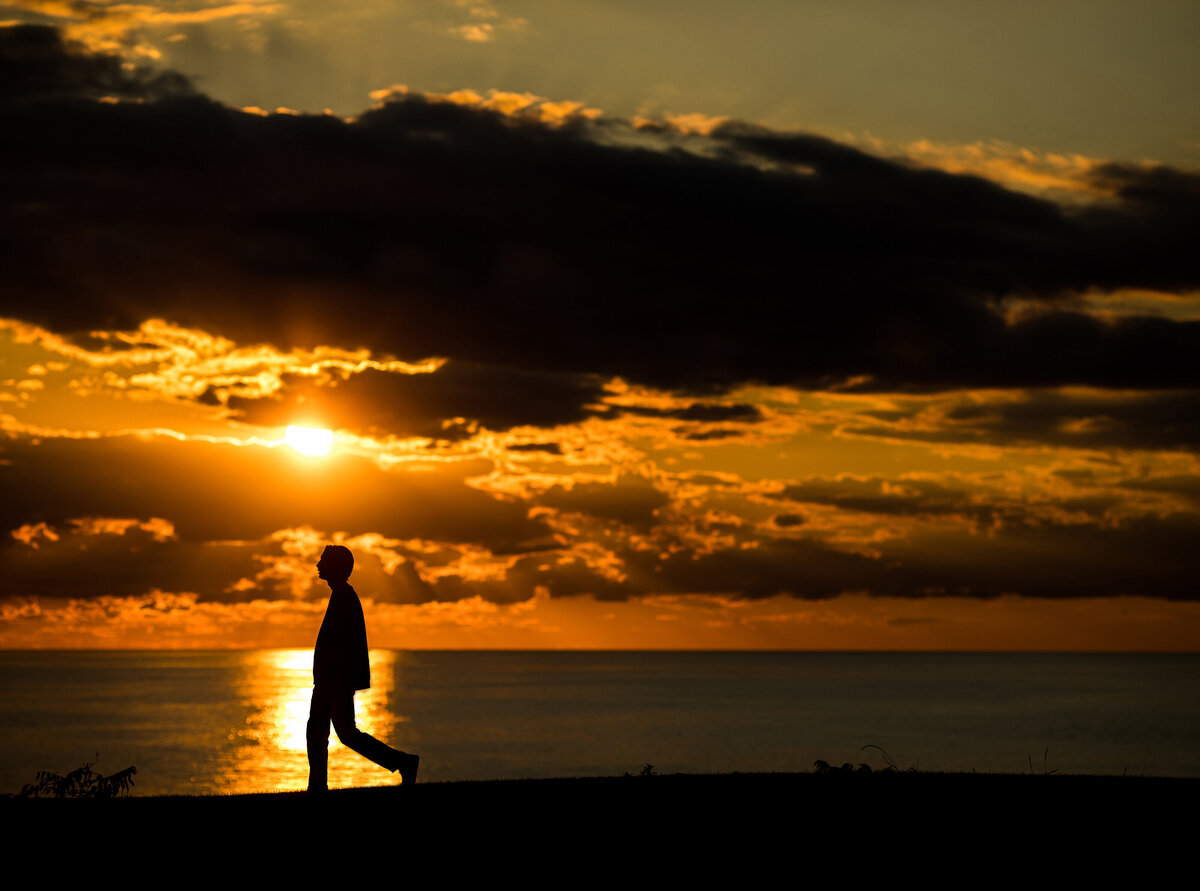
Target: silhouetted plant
pixel 646 771
pixel 891 765
pixel 1045 755
pixel 81 783
pixel 821 766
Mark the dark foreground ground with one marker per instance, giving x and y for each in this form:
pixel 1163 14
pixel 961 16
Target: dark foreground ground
pixel 956 824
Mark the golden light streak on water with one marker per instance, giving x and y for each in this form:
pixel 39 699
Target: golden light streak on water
pixel 270 752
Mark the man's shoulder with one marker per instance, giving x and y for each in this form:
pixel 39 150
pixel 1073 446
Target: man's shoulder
pixel 343 591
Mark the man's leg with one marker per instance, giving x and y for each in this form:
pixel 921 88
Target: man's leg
pixel 318 740
pixel 342 713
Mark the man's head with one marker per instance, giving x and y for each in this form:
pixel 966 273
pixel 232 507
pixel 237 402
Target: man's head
pixel 336 564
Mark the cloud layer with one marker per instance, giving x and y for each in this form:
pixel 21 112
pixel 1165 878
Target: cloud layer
pixel 569 355
pixel 699 261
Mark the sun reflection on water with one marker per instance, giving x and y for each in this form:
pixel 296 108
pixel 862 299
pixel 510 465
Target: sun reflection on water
pixel 269 753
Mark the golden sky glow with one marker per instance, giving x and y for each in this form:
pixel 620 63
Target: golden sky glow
pixel 815 470
pixel 312 441
pixel 670 355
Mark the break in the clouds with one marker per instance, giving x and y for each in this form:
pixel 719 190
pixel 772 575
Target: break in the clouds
pixel 567 355
pixel 444 405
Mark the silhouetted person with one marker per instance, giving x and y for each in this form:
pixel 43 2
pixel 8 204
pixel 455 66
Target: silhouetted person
pixel 340 667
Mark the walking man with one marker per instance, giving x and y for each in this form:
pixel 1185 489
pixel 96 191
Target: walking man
pixel 340 667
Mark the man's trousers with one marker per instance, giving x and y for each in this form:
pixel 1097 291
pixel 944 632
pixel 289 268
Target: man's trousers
pixel 336 704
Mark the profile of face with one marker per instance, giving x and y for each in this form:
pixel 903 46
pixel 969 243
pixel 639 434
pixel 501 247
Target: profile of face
pixel 336 564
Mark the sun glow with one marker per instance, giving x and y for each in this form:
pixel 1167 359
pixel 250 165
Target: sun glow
pixel 312 441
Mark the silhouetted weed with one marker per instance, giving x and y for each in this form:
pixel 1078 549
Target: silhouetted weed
pixel 1045 755
pixel 646 771
pixel 820 766
pixel 81 783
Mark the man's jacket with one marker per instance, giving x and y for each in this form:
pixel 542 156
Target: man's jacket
pixel 340 657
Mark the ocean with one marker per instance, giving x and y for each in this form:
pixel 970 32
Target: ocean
pixel 202 722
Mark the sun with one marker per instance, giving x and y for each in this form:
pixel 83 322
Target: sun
pixel 312 441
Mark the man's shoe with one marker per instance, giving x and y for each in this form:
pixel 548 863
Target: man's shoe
pixel 408 769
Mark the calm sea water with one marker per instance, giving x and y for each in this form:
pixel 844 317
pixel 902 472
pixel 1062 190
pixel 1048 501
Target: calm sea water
pixel 203 722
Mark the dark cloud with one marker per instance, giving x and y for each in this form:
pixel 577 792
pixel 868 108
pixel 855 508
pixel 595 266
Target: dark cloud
pixel 552 448
pixel 224 503
pixel 431 229
pixel 906 498
pixel 1163 204
pixel 1096 505
pixel 983 510
pixel 712 412
pixel 1146 556
pixel 876 495
pixel 1026 245
pixel 1075 547
pixel 81 565
pixel 1186 486
pixel 215 492
pixel 1081 475
pixel 799 567
pixel 561 577
pixel 223 519
pixel 924 498
pixel 707 479
pixel 1149 556
pixel 707 435
pixel 1095 420
pixel 36 63
pixel 700 412
pixel 632 501
pixel 379 402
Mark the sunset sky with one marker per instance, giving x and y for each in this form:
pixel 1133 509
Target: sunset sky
pixel 814 325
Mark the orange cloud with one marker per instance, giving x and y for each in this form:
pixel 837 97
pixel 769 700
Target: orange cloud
pixel 475 33
pixel 521 106
pixel 1110 307
pixel 160 530
pixel 486 21
pixel 695 122
pixel 186 362
pixel 161 620
pixel 33 534
pixel 1013 166
pixel 115 27
pixel 158 620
